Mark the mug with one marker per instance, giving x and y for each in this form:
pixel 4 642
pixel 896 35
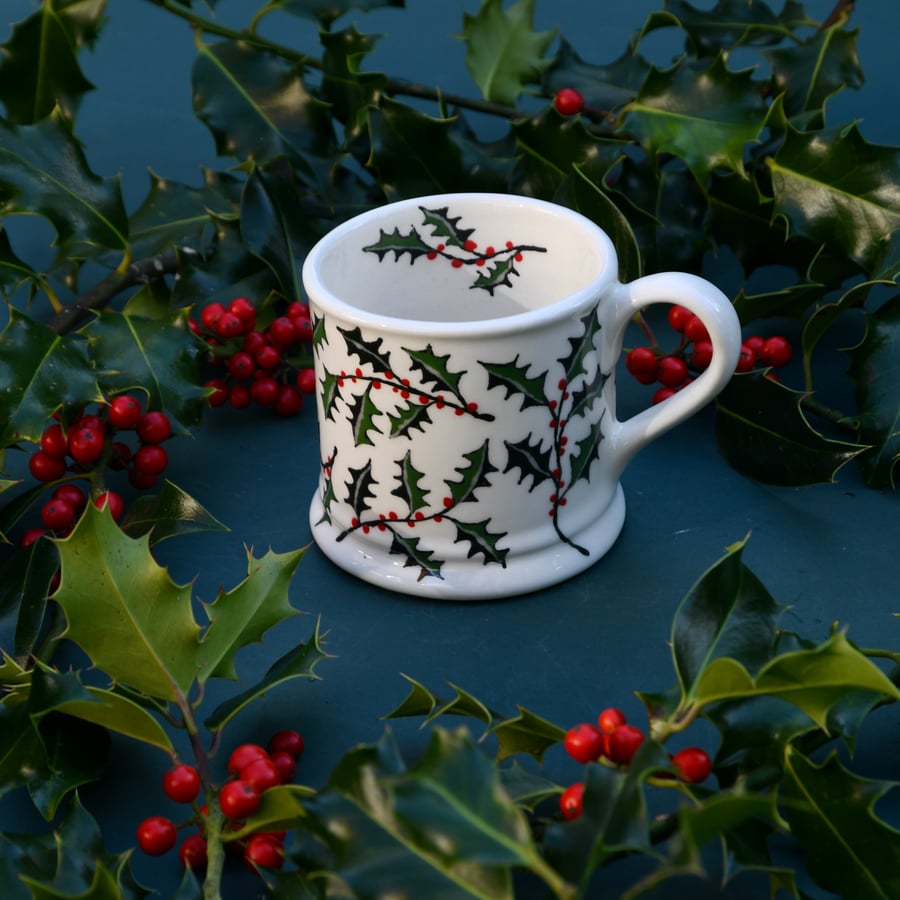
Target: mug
pixel 465 351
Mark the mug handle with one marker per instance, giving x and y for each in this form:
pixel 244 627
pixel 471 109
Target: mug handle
pixel 715 311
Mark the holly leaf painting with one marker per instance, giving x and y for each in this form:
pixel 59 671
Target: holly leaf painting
pixel 360 488
pixel 473 475
pixel 587 450
pixel 445 226
pixel 362 410
pixel 398 243
pixel 408 417
pixel 496 274
pixel 409 488
pixel 403 545
pixel 515 379
pixel 435 369
pixel 581 346
pixel 481 540
pixel 531 460
pixel 368 351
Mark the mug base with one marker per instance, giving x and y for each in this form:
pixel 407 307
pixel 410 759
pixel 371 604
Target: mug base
pixel 470 579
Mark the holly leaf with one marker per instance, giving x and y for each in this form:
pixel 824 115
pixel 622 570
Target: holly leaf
pixel 408 417
pixel 359 490
pixel 763 432
pixel 496 274
pixel 705 116
pixel 149 638
pixel 531 461
pixel 481 540
pixel 435 370
pixel 298 662
pixel 875 372
pixel 408 547
pixel 409 488
pixel 836 188
pixel 162 357
pixel 42 372
pixel 256 106
pixel 503 51
pixel 242 616
pixel 525 732
pixel 13 271
pixel 167 513
pixel 25 582
pixel 473 475
pixel 581 346
pixel 43 171
pixel 363 410
pixel 368 351
pixel 398 244
pixel 39 69
pixel 848 848
pixel 813 680
pixel 586 451
pixel 280 808
pixel 514 378
pixel 445 226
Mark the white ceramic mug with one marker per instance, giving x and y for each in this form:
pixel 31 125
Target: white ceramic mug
pixel 465 350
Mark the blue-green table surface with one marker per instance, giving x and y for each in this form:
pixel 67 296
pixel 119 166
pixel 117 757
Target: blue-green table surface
pixel 825 551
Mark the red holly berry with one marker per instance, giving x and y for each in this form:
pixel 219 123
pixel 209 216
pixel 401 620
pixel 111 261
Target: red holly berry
pixel 285 764
pixel 228 325
pixel 306 381
pixel 584 742
pixel 663 394
pixel 31 536
pixel 672 371
pixel 262 774
pixel 238 799
pixel 747 359
pixel 192 852
pixel 244 754
pixel 570 803
pixel 264 390
pixel 71 493
pixel 283 332
pixel 123 411
pixel 244 310
pixel 57 514
pixel 153 427
pixel 695 330
pixel 218 392
pixel 775 351
pixel 239 396
pixel 53 441
pixel 241 365
pixel 641 362
pixel 156 835
pixel 623 743
pixel 692 764
pixel 113 501
pixel 264 851
pixel 568 102
pixel 678 317
pixel 45 467
pixel 86 444
pixel 267 357
pixel 701 355
pixel 210 314
pixel 182 784
pixel 151 459
pixel 289 400
pixel 288 741
pixel 610 719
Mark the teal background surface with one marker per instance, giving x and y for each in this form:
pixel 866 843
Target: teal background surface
pixel 825 551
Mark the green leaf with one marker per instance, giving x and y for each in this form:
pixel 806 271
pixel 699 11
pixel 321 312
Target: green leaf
pixel 875 372
pixel 848 849
pixel 298 662
pixel 762 431
pixel 532 460
pixel 39 68
pixel 42 372
pixel 481 540
pixel 25 581
pixel 363 410
pixel 705 116
pixel 503 51
pixel 13 271
pixel 280 807
pixel 149 639
pixel 514 378
pixel 409 489
pixel 836 188
pixel 814 679
pixel 43 171
pixel 167 513
pixel 473 475
pixel 242 615
pixel 256 105
pixel 162 358
pixel 727 613
pixel 435 370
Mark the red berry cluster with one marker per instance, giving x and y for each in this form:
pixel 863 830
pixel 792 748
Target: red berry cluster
pixel 90 445
pixel 271 367
pixel 694 354
pixel 253 769
pixel 614 741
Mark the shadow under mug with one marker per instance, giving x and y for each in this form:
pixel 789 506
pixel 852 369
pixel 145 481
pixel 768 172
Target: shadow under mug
pixel 465 351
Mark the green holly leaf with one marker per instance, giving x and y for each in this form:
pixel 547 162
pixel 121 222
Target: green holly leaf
pixel 481 540
pixel 363 410
pixel 730 24
pixel 727 613
pixel 161 357
pixel 256 106
pixel 408 417
pixel 763 432
pixel 13 271
pixel 605 87
pixel 435 370
pixel 586 451
pixel 397 243
pixel 514 378
pixel 808 73
pixel 875 372
pixel 705 116
pixel 848 848
pixel 813 679
pixel 242 616
pixel 298 662
pixel 525 732
pixel 503 51
pixel 837 189
pixel 42 372
pixel 473 475
pixel 532 460
pixel 43 171
pixel 39 68
pixel 359 491
pixel 581 346
pixel 368 351
pixel 409 488
pixel 149 638
pixel 415 555
pixel 280 808
pixel 167 513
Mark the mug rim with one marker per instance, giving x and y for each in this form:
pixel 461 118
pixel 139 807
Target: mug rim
pixel 575 302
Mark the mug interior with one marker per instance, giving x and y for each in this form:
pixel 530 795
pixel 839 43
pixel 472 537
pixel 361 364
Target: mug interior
pixel 460 258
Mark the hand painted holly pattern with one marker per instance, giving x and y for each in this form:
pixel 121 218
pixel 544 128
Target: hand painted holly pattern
pixel 449 241
pixel 558 462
